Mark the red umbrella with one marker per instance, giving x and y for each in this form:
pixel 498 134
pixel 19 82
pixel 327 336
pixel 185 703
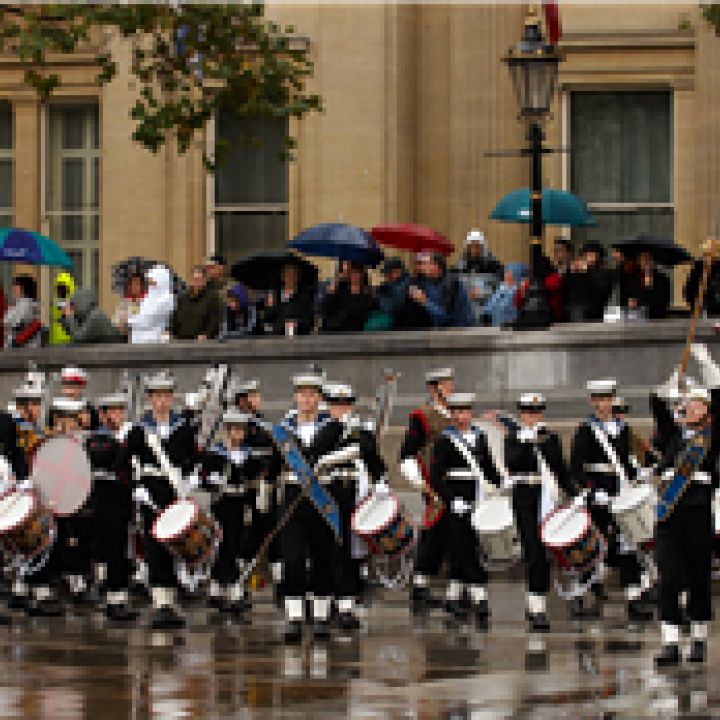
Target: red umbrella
pixel 415 238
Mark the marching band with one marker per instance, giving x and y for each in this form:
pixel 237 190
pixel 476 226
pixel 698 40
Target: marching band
pixel 134 497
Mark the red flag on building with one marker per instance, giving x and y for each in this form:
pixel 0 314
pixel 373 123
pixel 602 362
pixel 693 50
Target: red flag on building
pixel 552 20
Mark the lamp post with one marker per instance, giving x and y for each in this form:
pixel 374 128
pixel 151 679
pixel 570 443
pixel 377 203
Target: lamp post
pixel 533 66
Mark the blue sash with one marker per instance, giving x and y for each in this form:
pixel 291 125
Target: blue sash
pixel 671 492
pixel 319 497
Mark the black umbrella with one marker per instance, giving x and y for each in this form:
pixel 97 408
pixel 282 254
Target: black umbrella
pixel 262 270
pixel 664 251
pixel 123 270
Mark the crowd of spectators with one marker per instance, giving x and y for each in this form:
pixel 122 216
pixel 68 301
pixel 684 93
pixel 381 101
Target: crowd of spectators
pixel 478 290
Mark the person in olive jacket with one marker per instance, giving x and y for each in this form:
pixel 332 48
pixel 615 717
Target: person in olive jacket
pixel 197 313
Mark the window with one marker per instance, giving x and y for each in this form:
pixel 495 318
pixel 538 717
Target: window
pixel 73 186
pixel 6 165
pixel 251 186
pixel 622 162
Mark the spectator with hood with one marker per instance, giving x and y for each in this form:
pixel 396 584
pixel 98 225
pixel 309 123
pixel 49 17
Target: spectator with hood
pixel 434 298
pixel 479 270
pixel 290 309
pixel 348 303
pixel 22 319
pixel 502 307
pixel 239 314
pixel 150 323
pixel 85 322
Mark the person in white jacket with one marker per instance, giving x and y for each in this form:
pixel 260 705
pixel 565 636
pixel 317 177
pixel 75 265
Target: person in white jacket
pixel 153 317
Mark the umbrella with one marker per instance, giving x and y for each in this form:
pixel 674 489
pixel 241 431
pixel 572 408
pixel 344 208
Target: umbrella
pixel 262 270
pixel 340 241
pixel 137 265
pixel 25 246
pixel 664 251
pixel 558 208
pixel 416 238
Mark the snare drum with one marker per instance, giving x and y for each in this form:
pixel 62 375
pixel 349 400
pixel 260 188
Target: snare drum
pixel 189 533
pixel 381 521
pixel 494 522
pixel 27 529
pixel 572 538
pixel 634 512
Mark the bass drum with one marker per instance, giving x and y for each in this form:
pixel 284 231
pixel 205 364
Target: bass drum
pixel 27 529
pixel 494 522
pixel 634 511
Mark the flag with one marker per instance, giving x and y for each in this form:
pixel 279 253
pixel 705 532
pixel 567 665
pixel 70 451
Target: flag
pixel 552 20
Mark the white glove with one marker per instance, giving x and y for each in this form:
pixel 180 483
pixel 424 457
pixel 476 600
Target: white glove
pixel 214 478
pixel 527 434
pixel 25 485
pixel 194 480
pixel 600 497
pixel 645 474
pixel 410 470
pixel 459 506
pixel 382 488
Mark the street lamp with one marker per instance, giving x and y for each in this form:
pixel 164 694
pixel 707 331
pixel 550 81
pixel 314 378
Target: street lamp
pixel 533 66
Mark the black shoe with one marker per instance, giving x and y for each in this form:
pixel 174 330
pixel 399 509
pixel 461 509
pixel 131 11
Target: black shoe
pixel 5 619
pixel 49 607
pixel 238 611
pixel 82 599
pixel 293 632
pixel 166 618
pixel 321 630
pixel 348 622
pixel 598 590
pixel 481 612
pixel 216 601
pixel 139 591
pixel 669 656
pixel 120 612
pixel 18 602
pixel 578 611
pixel 649 596
pixel 698 652
pixel 420 600
pixel 456 609
pixel 539 623
pixel 637 611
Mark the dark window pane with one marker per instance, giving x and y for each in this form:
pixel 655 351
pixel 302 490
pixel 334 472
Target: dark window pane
pixel 622 146
pixel 95 170
pixel 6 126
pixel 95 279
pixel 614 226
pixel 72 228
pixel 6 221
pixel 72 183
pixel 250 173
pixel 73 127
pixel 78 266
pixel 6 183
pixel 238 234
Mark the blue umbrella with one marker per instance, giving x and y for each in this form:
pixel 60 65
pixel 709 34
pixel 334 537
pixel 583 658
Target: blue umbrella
pixel 26 246
pixel 339 241
pixel 558 208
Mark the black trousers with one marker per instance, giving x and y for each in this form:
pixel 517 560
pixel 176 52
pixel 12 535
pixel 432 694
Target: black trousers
pixel 230 512
pixel 347 568
pixel 112 507
pixel 160 562
pixel 684 557
pixel 627 563
pixel 526 506
pixel 431 547
pixel 306 539
pixel 75 534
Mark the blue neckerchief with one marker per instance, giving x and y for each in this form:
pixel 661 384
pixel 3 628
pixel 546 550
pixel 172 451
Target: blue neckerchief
pixel 595 420
pixel 223 451
pixel 452 432
pixel 148 421
pixel 290 421
pixel 671 492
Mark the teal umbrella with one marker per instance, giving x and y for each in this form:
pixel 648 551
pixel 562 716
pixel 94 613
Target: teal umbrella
pixel 558 208
pixel 26 246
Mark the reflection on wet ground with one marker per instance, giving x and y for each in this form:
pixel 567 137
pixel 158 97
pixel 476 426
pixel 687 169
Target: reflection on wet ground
pixel 79 667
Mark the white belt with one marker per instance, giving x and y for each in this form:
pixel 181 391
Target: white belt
pixel 151 470
pixel 460 475
pixel 528 479
pixel 103 475
pixel 233 490
pixel 699 477
pixel 605 468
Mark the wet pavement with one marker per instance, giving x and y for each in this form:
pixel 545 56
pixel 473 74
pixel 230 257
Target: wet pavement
pixel 81 667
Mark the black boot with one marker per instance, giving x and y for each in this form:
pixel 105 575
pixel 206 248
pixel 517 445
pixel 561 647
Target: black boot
pixel 348 622
pixel 421 600
pixel 321 629
pixel 698 652
pixel 637 611
pixel 481 613
pixel 18 602
pixel 120 612
pixel 166 618
pixel 456 609
pixel 539 622
pixel 669 656
pixel 293 632
pixel 47 607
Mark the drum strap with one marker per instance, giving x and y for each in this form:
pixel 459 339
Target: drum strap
pixel 549 490
pixel 609 450
pixel 483 487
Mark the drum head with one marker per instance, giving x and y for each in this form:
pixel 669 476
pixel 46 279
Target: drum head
pixel 374 513
pixel 492 515
pixel 631 497
pixel 62 475
pixel 14 508
pixel 174 520
pixel 565 526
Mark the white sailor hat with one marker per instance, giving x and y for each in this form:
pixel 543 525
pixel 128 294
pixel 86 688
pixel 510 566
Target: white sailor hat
pixel 118 399
pixel 698 393
pixel 461 400
pixel 247 387
pixel 338 393
pixel 438 374
pixel 235 417
pixel 308 380
pixel 163 380
pixel 604 387
pixel 531 401
pixel 28 391
pixel 475 235
pixel 67 406
pixel 73 376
